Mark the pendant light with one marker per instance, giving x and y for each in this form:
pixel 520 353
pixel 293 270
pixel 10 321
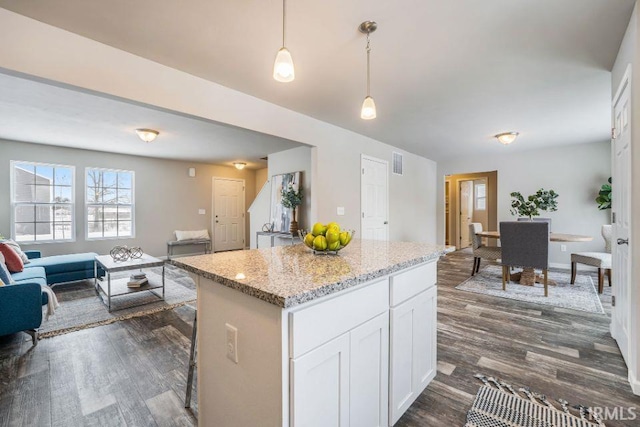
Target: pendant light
pixel 507 138
pixel 283 70
pixel 368 111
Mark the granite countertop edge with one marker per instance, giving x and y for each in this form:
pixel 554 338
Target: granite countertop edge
pixel 304 297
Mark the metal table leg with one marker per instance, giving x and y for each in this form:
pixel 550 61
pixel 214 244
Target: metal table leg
pixel 163 281
pixel 109 290
pixel 192 362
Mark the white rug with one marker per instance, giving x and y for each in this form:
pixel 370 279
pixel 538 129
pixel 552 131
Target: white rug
pixel 582 296
pixel 81 308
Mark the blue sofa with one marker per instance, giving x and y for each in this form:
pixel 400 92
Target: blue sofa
pixel 21 303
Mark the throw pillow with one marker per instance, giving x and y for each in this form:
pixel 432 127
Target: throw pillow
pixel 192 235
pixel 11 258
pixel 1 283
pixel 5 276
pixel 16 247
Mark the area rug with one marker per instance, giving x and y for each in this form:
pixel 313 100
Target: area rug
pixel 581 296
pixel 499 404
pixel 81 308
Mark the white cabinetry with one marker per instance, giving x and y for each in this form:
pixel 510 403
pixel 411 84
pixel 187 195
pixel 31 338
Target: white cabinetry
pixel 413 350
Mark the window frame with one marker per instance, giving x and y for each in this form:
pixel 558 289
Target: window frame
pixel 14 203
pixel 87 205
pixel 476 197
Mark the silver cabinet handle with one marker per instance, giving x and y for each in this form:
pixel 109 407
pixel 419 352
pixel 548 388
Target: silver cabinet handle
pixel 623 241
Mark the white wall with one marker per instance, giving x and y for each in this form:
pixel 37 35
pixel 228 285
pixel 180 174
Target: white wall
pixel 628 55
pixel 166 198
pixel 37 49
pixel 575 172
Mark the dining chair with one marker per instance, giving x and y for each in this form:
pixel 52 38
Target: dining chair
pixel 525 244
pixel 538 220
pixel 601 260
pixel 481 250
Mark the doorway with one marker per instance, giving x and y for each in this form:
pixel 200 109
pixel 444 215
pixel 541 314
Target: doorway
pixel 470 197
pixel 228 214
pixel 374 193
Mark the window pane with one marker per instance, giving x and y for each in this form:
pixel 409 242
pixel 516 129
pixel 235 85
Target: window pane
pixel 44 175
pixel 25 232
pixel 94 213
pixel 44 231
pixel 110 213
pixel 95 230
pixel 24 193
pixel 481 204
pixel 94 195
pixel 63 176
pixel 94 178
pixel 26 169
pixel 62 194
pixel 109 196
pixel 124 197
pixel 62 231
pixel 62 213
pixel 124 213
pixel 109 179
pixel 124 179
pixel 25 213
pixel 44 213
pixel 43 193
pixel 124 228
pixel 481 190
pixel 110 229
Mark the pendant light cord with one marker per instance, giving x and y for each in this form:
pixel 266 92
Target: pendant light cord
pixel 368 66
pixel 283 19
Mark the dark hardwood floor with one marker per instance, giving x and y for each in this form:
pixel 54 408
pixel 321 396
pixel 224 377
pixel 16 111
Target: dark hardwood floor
pixel 133 373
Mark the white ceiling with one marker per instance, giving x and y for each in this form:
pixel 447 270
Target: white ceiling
pixel 37 112
pixel 447 74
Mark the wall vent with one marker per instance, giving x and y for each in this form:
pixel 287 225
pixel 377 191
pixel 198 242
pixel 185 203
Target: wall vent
pixel 397 163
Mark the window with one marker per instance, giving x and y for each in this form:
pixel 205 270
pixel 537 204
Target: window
pixel 42 200
pixel 109 203
pixel 481 197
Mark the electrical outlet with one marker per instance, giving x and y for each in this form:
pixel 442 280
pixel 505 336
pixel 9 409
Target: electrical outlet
pixel 563 248
pixel 232 343
pixel 202 212
pixel 340 210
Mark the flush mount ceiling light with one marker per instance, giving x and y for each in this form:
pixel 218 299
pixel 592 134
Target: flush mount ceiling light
pixel 507 138
pixel 283 70
pixel 368 111
pixel 147 135
pixel 239 165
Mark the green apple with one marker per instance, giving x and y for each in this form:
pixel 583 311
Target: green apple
pixel 333 226
pixel 345 238
pixel 334 246
pixel 308 240
pixel 332 236
pixel 319 229
pixel 320 243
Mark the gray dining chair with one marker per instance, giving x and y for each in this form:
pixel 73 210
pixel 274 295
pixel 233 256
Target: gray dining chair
pixel 600 260
pixel 525 244
pixel 481 250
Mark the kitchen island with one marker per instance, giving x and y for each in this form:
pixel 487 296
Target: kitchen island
pixel 289 338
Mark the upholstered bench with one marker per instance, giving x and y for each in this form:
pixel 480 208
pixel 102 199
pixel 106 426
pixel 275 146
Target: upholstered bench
pixel 64 268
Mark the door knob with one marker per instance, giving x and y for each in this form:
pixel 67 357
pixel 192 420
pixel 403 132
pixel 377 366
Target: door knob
pixel 623 241
pixel 386 222
pixel 216 221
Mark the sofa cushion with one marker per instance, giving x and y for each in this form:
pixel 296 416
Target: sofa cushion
pixel 16 247
pixel 4 271
pixel 30 273
pixel 39 280
pixel 11 258
pixel 65 263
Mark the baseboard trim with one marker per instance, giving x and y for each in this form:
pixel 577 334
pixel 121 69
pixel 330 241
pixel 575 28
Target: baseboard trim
pixel 634 382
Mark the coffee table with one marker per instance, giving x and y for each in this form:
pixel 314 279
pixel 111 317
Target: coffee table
pixel 118 287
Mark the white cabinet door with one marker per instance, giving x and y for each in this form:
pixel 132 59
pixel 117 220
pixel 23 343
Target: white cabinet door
pixel 413 351
pixel 369 385
pixel 320 386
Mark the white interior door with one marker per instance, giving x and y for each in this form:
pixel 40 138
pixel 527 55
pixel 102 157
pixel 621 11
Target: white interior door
pixel 466 212
pixel 621 206
pixel 228 214
pixel 375 199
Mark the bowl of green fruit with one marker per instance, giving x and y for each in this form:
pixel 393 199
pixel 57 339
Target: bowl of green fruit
pixel 326 239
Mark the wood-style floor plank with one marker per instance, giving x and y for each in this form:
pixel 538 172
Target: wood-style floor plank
pixel 133 373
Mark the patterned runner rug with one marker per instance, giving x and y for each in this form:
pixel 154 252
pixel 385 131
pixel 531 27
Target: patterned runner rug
pixel 581 296
pixel 499 404
pixel 81 308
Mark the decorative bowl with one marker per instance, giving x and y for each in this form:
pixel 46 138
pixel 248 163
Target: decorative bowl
pixel 303 233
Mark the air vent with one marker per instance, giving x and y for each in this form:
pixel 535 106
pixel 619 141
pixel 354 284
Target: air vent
pixel 397 163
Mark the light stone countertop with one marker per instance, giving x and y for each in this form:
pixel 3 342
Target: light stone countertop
pixel 290 275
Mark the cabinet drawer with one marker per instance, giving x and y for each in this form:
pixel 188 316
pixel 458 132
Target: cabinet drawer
pixel 411 282
pixel 313 326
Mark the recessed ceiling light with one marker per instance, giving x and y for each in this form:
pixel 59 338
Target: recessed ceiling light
pixel 239 165
pixel 507 138
pixel 147 135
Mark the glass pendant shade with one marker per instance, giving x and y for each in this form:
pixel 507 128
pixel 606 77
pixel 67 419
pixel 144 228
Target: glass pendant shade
pixel 368 109
pixel 283 66
pixel 507 138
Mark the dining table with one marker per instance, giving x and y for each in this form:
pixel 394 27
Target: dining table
pixel 527 276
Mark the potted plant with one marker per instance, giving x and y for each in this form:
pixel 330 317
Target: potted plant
pixel 542 200
pixel 604 196
pixel 292 199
